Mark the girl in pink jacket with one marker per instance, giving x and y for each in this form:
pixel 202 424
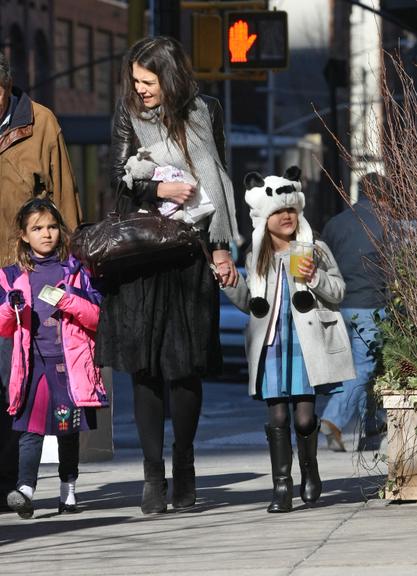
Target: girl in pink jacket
pixel 50 309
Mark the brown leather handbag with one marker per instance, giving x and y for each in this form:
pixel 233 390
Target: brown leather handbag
pixel 131 240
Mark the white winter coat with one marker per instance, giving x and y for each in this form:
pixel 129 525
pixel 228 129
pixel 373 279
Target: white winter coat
pixel 321 331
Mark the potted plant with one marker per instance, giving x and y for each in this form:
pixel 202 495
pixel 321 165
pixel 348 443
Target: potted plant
pixel 396 386
pixel 394 202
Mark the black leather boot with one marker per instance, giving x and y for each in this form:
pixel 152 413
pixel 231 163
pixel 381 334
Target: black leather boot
pixel 310 487
pixel 154 495
pixel 183 475
pixel 280 449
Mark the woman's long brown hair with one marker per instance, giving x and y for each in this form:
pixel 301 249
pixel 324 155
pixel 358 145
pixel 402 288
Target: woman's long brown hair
pixel 165 57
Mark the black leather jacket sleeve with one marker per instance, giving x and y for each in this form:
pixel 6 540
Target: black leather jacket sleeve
pixel 125 144
pixel 216 115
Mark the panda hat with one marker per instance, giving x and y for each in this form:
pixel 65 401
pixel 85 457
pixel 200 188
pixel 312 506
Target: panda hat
pixel 264 197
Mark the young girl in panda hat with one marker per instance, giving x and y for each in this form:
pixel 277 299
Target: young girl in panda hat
pixel 296 339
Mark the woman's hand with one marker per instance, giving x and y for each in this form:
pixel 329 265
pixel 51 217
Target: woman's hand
pixel 178 192
pixel 225 268
pixel 307 268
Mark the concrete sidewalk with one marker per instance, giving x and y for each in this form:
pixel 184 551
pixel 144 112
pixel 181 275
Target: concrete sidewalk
pixel 228 532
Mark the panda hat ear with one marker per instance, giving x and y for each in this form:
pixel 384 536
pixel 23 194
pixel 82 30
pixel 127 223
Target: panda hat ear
pixel 292 173
pixel 253 180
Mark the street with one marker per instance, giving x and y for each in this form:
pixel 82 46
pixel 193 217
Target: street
pixel 228 532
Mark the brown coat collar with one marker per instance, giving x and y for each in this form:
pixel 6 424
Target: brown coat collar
pixel 21 125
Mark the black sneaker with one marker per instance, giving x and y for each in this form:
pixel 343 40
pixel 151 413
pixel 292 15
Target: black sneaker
pixel 20 503
pixel 67 508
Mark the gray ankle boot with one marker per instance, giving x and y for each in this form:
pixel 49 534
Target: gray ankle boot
pixel 183 475
pixel 154 495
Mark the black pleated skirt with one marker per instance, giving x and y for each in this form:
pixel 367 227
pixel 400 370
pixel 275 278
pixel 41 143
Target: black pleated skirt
pixel 162 321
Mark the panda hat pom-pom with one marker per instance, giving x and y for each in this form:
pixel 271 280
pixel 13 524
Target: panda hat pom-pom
pixel 259 306
pixel 265 196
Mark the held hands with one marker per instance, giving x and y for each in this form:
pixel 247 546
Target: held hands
pixel 307 268
pixel 225 268
pixel 178 192
pixel 16 299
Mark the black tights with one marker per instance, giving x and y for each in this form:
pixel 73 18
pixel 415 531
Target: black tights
pixel 305 419
pixel 185 406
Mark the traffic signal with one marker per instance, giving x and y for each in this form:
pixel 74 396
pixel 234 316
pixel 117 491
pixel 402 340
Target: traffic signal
pixel 256 40
pixel 207 52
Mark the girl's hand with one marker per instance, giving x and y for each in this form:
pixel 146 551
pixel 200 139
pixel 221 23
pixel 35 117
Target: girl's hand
pixel 178 192
pixel 307 268
pixel 16 298
pixel 225 268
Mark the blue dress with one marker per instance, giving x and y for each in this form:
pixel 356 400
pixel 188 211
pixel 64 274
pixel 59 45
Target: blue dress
pixel 282 369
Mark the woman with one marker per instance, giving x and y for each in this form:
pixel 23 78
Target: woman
pixel 161 323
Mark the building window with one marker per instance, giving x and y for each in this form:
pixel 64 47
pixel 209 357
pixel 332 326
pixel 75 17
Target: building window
pixel 64 59
pixel 104 81
pixel 84 55
pixel 43 92
pixel 18 57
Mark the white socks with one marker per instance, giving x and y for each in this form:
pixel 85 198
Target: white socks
pixel 68 493
pixel 27 491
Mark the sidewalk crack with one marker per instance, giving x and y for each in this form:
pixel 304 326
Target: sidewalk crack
pixel 326 539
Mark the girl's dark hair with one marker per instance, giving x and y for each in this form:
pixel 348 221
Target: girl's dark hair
pixel 38 206
pixel 266 254
pixel 165 57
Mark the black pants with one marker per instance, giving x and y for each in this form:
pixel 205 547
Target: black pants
pixel 9 440
pixel 185 397
pixel 30 452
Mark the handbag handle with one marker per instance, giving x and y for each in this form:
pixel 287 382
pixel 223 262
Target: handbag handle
pixel 120 189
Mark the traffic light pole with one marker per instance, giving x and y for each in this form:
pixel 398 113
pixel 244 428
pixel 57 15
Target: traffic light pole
pixel 136 20
pixel 244 5
pixel 167 17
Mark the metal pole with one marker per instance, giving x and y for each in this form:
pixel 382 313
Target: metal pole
pixel 272 5
pixel 167 19
pixel 151 8
pixel 228 123
pixel 136 18
pixel 270 123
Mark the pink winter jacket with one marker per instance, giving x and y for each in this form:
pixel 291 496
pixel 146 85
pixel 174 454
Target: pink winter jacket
pixel 80 313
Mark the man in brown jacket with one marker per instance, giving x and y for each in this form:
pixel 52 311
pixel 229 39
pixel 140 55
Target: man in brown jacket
pixel 32 150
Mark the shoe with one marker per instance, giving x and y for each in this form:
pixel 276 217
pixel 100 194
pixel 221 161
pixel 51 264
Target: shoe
pixel 280 449
pixel 67 493
pixel 183 477
pixel 66 508
pixel 20 503
pixel 333 436
pixel 155 488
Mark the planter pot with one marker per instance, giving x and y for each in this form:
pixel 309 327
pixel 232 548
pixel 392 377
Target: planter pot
pixel 402 444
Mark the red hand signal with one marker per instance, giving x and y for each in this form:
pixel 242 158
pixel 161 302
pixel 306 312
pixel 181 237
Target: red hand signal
pixel 239 41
